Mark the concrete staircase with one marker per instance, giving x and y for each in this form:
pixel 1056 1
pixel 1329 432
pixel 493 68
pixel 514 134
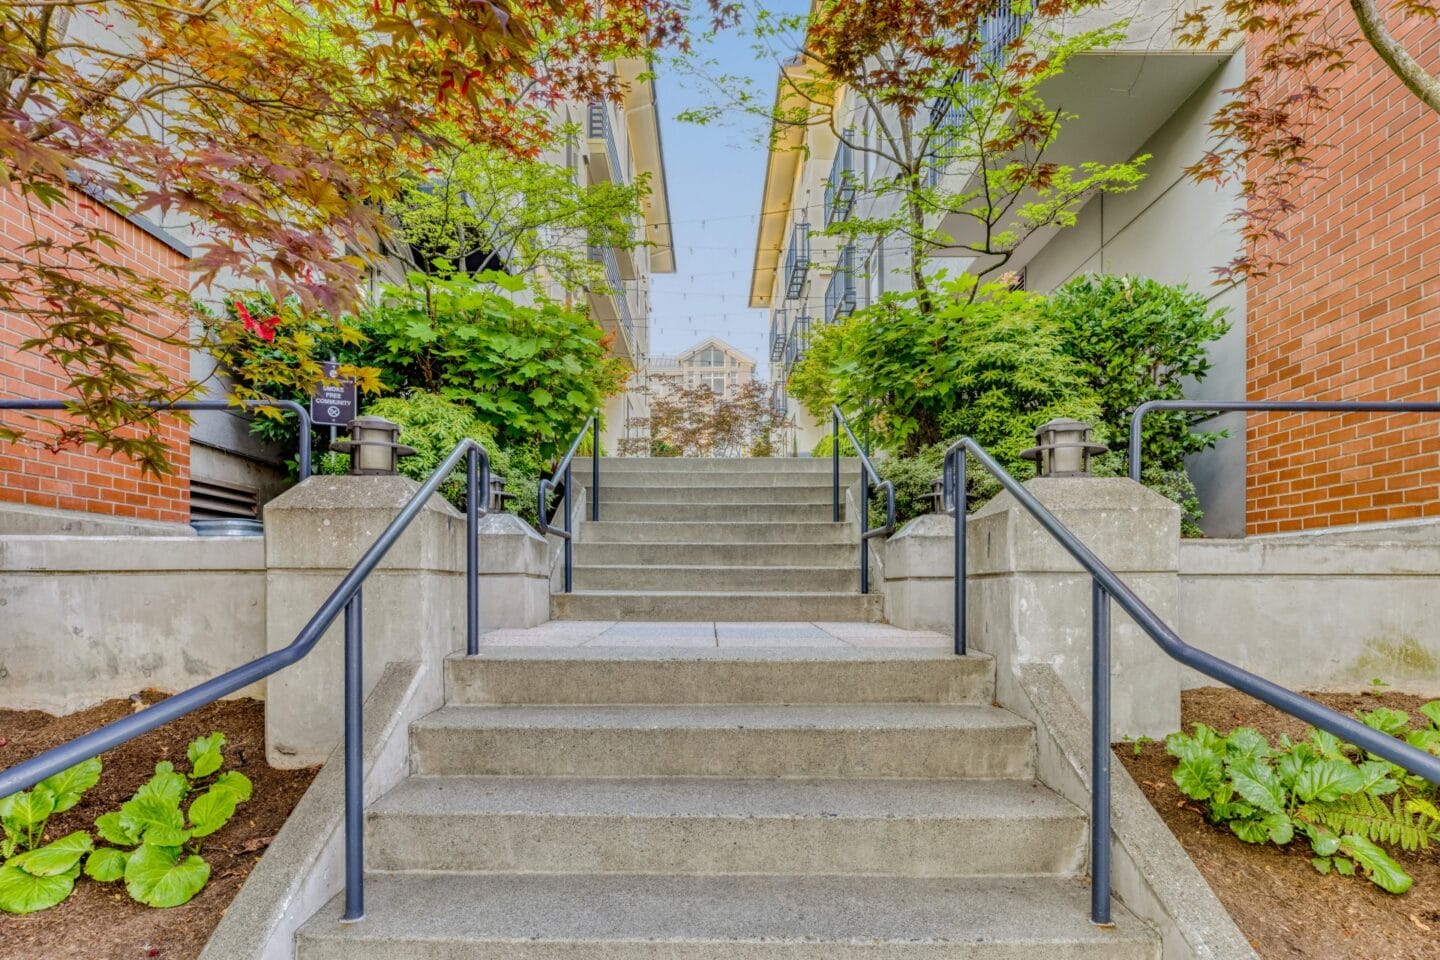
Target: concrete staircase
pixel 739 539
pixel 766 804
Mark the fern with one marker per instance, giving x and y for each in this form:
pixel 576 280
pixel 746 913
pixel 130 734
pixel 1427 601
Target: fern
pixel 1370 817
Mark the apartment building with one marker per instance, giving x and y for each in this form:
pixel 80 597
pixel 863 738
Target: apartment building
pixel 623 141
pixel 1350 315
pixel 712 363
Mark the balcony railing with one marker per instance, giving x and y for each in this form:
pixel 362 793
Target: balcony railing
pixel 797 261
pixel 600 128
pixel 840 186
pixel 778 334
pixel 840 293
pixel 997 31
pixel 605 256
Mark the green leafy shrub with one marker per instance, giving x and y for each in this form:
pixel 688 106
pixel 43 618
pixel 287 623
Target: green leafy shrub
pixel 434 426
pixel 983 362
pixel 1347 804
pixel 42 876
pixel 531 374
pixel 156 844
pixel 1138 340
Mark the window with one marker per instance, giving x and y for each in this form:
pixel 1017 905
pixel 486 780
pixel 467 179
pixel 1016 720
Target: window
pixel 710 357
pixel 715 381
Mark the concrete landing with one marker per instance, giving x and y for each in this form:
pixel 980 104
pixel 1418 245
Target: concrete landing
pixel 721 634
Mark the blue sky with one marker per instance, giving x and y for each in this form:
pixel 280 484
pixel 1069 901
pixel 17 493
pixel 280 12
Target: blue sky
pixel 715 175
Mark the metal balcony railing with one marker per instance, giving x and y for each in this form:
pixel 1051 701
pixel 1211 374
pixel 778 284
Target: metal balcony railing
pixel 600 128
pixel 1002 28
pixel 840 292
pixel 613 279
pixel 778 333
pixel 797 261
pixel 840 186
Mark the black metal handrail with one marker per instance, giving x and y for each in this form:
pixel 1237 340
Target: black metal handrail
pixel 303 445
pixel 868 476
pixel 1107 586
pixel 547 484
pixel 346 596
pixel 1229 406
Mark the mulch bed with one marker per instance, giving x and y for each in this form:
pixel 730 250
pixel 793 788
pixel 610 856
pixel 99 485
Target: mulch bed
pixel 99 921
pixel 1285 907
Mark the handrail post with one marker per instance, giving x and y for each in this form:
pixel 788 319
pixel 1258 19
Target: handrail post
pixel 864 527
pixel 354 761
pixel 569 535
pixel 957 497
pixel 595 467
pixel 472 551
pixel 835 466
pixel 1099 754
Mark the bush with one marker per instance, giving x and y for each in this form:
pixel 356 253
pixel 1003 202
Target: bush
pixel 434 426
pixel 1138 340
pixel 531 374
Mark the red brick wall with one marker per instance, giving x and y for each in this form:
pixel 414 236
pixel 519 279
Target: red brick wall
pixel 84 479
pixel 1355 314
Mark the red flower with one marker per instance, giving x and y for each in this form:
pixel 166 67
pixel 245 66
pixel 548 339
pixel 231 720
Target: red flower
pixel 264 329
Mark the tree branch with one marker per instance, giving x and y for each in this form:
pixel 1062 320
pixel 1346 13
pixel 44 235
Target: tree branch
pixel 1396 57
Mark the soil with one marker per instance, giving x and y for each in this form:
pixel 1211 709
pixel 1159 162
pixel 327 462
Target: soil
pixel 99 921
pixel 1284 906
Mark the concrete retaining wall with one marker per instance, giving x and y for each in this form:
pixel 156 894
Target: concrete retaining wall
pixel 89 618
pixel 1316 612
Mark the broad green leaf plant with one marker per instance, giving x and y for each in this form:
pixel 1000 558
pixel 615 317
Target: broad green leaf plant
pixel 1348 805
pixel 42 876
pixel 156 843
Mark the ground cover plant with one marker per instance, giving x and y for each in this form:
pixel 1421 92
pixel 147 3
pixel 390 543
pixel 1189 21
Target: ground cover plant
pixel 101 920
pixel 1285 907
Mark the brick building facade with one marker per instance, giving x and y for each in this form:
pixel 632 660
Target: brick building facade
pixel 1354 314
pixel 84 479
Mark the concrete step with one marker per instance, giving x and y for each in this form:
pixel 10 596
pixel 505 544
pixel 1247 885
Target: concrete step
pixel 663 606
pixel 753 479
pixel 921 828
pixel 721 554
pixel 708 465
pixel 700 531
pixel 724 740
pixel 551 675
pixel 662 491
pixel 720 512
pixel 710 579
pixel 420 916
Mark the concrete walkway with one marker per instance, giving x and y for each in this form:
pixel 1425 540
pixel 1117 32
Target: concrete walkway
pixel 714 634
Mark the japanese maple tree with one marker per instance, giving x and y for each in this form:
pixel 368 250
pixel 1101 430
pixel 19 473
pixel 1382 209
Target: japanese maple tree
pixel 271 135
pixel 1264 137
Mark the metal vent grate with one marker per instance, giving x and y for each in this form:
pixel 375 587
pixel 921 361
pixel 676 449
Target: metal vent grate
pixel 214 500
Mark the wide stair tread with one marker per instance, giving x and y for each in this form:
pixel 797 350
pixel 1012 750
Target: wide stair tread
pixel 668 917
pixel 731 740
pixel 729 675
pixel 940 827
pixel 672 605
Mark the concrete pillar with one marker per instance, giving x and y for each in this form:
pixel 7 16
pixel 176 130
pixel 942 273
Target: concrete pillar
pixel 919 574
pixel 514 580
pixel 1029 601
pixel 414 603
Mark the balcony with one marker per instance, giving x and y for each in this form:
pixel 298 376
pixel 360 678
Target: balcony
pixel 605 161
pixel 1121 96
pixel 797 261
pixel 611 303
pixel 777 336
pixel 840 186
pixel 840 292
